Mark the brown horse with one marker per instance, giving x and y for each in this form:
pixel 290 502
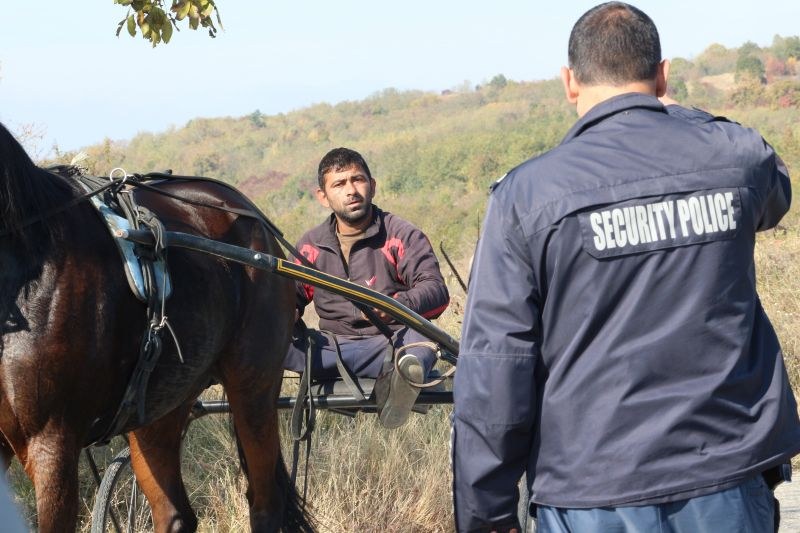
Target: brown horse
pixel 71 331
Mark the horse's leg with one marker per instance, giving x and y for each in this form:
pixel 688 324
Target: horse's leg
pixel 255 417
pixel 51 461
pixel 155 458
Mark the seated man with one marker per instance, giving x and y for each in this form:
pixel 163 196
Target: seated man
pixel 365 245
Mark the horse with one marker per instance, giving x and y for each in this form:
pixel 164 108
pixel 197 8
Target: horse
pixel 71 331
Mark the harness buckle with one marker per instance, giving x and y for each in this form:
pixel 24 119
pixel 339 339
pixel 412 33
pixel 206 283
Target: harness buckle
pixel 121 179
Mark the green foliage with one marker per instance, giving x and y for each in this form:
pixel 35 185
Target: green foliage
pixel 749 49
pixel 784 94
pixel 498 82
pixel 257 119
pixel 681 68
pixel 156 22
pixel 786 47
pixel 716 59
pixel 748 66
pixel 748 92
pixel 677 89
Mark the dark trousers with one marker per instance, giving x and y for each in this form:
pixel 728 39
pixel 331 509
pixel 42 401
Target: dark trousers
pixel 362 355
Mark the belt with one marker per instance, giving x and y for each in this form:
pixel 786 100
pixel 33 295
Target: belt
pixel 777 474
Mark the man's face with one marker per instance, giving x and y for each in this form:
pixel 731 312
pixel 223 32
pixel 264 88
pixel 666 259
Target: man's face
pixel 348 193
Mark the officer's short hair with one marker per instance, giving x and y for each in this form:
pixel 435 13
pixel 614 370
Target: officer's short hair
pixel 614 43
pixel 340 159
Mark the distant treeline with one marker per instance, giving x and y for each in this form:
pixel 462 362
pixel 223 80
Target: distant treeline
pixel 435 154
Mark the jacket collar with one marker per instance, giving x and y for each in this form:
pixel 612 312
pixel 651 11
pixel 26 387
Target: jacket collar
pixel 329 239
pixel 610 107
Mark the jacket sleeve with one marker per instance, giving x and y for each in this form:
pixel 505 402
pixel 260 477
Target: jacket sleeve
pixel 418 268
pixel 778 190
pixel 774 186
pixel 495 396
pixel 304 291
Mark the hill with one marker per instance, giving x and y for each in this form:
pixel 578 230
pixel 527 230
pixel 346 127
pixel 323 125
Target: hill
pixel 434 155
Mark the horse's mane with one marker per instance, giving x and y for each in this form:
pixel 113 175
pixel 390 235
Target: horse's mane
pixel 27 191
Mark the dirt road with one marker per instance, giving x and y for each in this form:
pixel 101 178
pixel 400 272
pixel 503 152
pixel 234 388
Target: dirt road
pixel 789 496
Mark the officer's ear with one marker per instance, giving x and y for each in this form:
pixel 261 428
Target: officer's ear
pixel 571 87
pixel 661 78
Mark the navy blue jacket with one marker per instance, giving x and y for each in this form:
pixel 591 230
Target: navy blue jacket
pixel 614 346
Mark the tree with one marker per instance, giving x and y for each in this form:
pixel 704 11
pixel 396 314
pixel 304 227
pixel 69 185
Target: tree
pixel 680 67
pixel 749 66
pixel 678 90
pixel 716 59
pixel 748 92
pixel 498 82
pixel 156 22
pixel 749 49
pixel 774 68
pixel 784 94
pixel 786 47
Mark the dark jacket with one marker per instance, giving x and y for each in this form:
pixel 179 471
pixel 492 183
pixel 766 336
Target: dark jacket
pixel 395 258
pixel 613 345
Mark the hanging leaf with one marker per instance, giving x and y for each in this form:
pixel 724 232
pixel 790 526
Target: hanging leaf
pixel 158 20
pixel 166 32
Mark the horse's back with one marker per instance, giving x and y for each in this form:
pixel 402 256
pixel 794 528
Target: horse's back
pixel 218 310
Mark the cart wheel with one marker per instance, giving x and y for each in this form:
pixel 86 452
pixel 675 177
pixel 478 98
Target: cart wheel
pixel 120 507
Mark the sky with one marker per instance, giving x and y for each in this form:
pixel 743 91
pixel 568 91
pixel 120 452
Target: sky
pixel 63 71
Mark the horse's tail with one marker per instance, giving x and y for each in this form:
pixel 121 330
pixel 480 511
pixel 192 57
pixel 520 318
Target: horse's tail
pixel 296 517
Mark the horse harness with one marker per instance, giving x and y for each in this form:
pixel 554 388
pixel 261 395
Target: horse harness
pixel 145 268
pixel 148 277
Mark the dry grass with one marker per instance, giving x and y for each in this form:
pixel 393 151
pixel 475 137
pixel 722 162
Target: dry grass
pixel 365 478
pixel 724 82
pixel 778 269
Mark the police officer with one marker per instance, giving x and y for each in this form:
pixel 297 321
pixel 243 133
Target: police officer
pixel 614 348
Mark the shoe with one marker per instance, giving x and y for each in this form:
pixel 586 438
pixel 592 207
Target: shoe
pixel 401 395
pixel 423 408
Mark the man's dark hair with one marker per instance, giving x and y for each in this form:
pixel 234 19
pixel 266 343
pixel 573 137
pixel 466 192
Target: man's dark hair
pixel 340 159
pixel 614 43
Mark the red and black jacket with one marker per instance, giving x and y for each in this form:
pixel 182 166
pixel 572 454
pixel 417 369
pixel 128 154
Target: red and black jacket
pixel 394 258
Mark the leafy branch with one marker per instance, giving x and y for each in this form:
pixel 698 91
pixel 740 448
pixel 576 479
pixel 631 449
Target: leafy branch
pixel 156 23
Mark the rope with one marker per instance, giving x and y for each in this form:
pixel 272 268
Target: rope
pixel 427 344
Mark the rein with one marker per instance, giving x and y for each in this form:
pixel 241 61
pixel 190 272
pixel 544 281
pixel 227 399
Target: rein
pixel 258 215
pixel 41 217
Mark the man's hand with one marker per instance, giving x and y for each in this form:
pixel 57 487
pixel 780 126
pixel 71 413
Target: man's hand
pixel 382 316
